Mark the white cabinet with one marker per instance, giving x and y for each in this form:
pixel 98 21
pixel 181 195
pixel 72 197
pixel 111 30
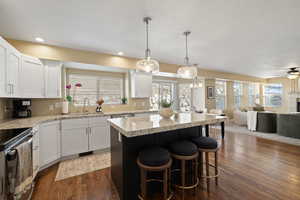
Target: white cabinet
pixel 99 134
pixel 84 134
pixel 74 141
pixel 49 137
pixel 74 136
pixel 52 78
pixel 35 150
pixel 32 78
pixel 3 57
pixel 13 63
pixel 141 84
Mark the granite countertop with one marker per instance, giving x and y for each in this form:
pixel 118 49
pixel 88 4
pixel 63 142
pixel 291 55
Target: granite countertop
pixel 139 126
pixel 33 121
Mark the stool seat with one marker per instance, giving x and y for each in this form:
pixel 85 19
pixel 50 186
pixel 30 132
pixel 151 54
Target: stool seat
pixel 154 156
pixel 205 142
pixel 183 148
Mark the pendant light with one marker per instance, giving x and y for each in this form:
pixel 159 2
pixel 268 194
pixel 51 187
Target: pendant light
pixel 187 71
pixel 148 64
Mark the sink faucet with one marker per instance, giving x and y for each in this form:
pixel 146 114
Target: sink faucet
pixel 84 109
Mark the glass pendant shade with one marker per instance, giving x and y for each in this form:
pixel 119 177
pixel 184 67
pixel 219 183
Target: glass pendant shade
pixel 292 76
pixel 188 72
pixel 148 65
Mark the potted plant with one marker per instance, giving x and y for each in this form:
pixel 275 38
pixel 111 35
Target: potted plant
pixel 166 110
pixel 124 100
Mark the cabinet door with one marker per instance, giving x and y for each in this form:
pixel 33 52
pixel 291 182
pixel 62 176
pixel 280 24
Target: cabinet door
pixel 53 81
pixel 99 138
pixel 32 78
pixel 12 72
pixel 35 150
pixel 3 56
pixel 74 141
pixel 141 85
pixel 49 142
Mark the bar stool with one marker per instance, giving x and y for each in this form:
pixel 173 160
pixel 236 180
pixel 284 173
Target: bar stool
pixel 155 159
pixel 205 146
pixel 186 152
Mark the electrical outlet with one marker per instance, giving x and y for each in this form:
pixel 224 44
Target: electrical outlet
pixel 51 107
pixel 58 105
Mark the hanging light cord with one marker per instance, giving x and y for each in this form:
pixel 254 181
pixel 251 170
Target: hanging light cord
pixel 146 20
pixel 186 59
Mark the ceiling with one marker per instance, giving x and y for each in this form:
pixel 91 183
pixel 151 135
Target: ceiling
pixel 252 37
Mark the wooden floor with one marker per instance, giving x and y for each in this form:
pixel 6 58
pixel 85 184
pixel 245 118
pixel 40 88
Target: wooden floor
pixel 251 169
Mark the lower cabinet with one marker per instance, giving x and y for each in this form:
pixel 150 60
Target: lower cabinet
pixel 99 138
pixel 74 141
pixel 84 134
pixel 49 139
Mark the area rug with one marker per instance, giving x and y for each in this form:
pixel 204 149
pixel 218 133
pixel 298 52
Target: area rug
pixel 82 165
pixel 231 127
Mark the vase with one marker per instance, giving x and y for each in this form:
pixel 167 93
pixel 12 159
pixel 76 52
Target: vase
pixel 166 113
pixel 65 107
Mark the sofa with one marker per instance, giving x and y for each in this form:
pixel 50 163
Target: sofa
pixel 289 125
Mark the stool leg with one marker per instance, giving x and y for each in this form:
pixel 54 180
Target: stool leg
pixel 200 164
pixel 207 170
pixel 143 183
pixel 183 175
pixel 166 183
pixel 196 173
pixel 216 167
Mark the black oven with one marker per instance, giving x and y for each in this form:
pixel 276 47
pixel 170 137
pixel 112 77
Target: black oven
pixel 9 142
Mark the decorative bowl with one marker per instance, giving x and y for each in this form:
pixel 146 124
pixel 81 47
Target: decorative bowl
pixel 166 113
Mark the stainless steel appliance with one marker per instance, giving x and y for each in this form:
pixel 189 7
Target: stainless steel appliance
pixel 9 142
pixel 21 108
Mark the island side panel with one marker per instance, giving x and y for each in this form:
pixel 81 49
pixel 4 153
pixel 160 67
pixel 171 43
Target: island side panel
pixel 127 153
pixel 116 161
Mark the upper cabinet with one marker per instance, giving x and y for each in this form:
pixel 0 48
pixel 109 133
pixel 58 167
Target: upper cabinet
pixel 10 62
pixel 3 57
pixel 141 84
pixel 53 78
pixel 32 78
pixel 27 77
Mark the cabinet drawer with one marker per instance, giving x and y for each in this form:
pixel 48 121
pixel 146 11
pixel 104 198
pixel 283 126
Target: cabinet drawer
pixel 98 121
pixel 74 123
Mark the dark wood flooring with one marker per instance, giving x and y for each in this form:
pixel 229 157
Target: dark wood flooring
pixel 251 169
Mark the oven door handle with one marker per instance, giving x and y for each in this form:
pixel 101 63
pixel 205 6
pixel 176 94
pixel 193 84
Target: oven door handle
pixel 21 140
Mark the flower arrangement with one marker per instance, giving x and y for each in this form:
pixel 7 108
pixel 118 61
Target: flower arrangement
pixel 69 98
pixel 99 107
pixel 166 110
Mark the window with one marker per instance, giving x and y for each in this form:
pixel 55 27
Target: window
pixel 220 94
pixel 162 91
pixel 110 89
pixel 238 93
pixel 253 94
pixel 273 95
pixel 185 96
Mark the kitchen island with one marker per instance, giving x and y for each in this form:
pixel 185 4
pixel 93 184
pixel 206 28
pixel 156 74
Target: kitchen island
pixel 130 135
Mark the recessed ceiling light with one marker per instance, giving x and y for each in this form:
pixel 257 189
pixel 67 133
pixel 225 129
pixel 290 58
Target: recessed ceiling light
pixel 120 53
pixel 38 39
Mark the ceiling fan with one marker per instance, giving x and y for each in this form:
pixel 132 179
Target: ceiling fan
pixel 293 73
